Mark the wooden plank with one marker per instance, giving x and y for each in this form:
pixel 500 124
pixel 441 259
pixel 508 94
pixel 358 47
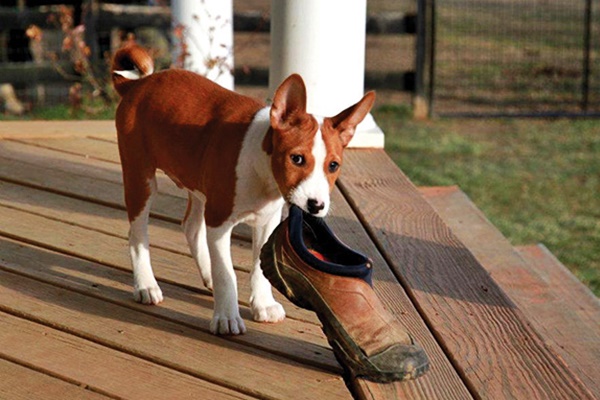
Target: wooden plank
pixel 111 249
pixel 102 219
pixel 167 239
pixel 42 129
pixel 111 221
pixel 21 383
pixel 560 308
pixel 202 355
pixel 294 339
pixel 85 158
pixel 76 176
pixel 83 146
pixel 489 340
pixel 563 284
pixel 572 315
pixel 86 369
pixel 56 165
pixel 442 380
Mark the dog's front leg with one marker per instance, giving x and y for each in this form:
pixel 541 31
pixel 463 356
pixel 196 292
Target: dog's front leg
pixel 263 305
pixel 226 318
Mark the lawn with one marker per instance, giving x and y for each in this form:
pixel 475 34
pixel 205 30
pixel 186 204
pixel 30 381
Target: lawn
pixel 536 180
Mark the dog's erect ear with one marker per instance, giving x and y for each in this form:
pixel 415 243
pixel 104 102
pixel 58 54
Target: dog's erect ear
pixel 289 102
pixel 346 121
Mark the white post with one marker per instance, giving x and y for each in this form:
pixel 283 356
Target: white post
pixel 203 38
pixel 324 42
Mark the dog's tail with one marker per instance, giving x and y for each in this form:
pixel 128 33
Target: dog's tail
pixel 130 63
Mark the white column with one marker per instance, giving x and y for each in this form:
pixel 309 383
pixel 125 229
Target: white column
pixel 203 31
pixel 324 42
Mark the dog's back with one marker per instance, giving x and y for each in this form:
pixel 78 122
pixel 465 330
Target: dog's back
pixel 181 123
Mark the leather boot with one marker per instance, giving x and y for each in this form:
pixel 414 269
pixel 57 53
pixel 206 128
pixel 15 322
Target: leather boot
pixel 306 262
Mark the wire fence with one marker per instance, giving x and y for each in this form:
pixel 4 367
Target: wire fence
pixel 514 57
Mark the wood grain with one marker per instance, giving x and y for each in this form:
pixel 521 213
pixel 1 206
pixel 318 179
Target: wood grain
pixel 570 313
pixel 21 383
pixel 297 340
pixel 53 129
pixel 110 250
pixel 563 284
pixel 489 341
pixel 88 147
pixel 76 176
pixel 175 346
pixel 111 221
pixel 561 309
pixel 86 369
pixel 90 171
pixel 442 381
pixel 64 269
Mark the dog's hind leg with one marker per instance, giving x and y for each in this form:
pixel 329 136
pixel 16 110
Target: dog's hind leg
pixel 194 227
pixel 138 197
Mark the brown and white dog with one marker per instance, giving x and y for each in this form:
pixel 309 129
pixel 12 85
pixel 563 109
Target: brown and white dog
pixel 239 161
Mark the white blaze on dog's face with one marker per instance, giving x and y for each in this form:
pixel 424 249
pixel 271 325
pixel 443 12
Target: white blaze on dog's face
pixel 306 155
pixel 312 193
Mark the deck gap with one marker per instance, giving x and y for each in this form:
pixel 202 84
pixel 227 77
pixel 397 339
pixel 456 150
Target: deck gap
pixel 101 231
pixel 102 139
pixel 79 197
pixel 439 339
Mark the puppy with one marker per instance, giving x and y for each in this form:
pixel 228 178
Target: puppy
pixel 239 161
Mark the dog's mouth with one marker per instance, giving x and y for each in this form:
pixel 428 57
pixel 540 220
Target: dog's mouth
pixel 315 207
pixel 312 207
pixel 311 203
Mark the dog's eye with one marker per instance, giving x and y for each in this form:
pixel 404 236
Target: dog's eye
pixel 297 159
pixel 333 166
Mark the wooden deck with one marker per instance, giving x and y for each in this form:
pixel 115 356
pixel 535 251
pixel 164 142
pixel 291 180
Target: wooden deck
pixel 496 322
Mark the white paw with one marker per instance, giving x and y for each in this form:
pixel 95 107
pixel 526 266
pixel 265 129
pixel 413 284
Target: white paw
pixel 148 295
pixel 222 325
pixel 271 312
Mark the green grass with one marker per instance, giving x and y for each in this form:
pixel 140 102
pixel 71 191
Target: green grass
pixel 536 180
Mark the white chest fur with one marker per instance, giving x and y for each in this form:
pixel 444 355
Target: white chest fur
pixel 256 194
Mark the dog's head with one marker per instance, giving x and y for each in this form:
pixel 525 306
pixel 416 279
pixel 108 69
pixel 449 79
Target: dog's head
pixel 306 154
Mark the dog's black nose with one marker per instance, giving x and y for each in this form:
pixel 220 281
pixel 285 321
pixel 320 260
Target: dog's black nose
pixel 314 206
